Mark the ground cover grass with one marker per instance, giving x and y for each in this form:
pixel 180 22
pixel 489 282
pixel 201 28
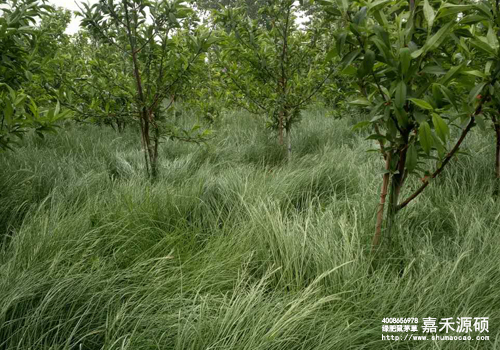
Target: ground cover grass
pixel 233 247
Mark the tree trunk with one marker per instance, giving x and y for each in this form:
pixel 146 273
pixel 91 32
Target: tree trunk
pixel 397 182
pixel 381 206
pixel 145 114
pixel 154 155
pixel 145 147
pixel 289 144
pixel 396 185
pixel 280 128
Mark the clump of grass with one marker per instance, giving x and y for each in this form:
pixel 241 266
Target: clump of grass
pixel 232 248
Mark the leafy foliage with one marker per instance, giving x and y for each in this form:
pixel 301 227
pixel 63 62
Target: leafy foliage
pixel 160 42
pixel 20 111
pixel 274 68
pixel 409 60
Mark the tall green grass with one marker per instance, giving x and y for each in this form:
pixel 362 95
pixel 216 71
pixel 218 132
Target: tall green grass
pixel 234 248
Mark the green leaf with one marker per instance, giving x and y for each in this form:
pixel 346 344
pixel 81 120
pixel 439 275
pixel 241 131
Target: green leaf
pixel 382 48
pixel 452 9
pixel 349 70
pixel 438 144
pixel 400 94
pixel 434 41
pixel 422 103
pixel 341 42
pixel 437 95
pixel 8 111
pixel 436 70
pixel 344 4
pixel 411 158
pixel 484 9
pixel 450 75
pixel 378 4
pixel 492 38
pixel 360 16
pixel 425 137
pixel 420 117
pixel 354 28
pixel 474 72
pixel 442 129
pixel 331 54
pixel 360 125
pixel 429 14
pixel 449 95
pixel 369 61
pixel 405 58
pixel 402 117
pixel 360 102
pixel 417 53
pixel 483 46
pixel 349 58
pixel 377 137
pixel 380 17
pixel 475 92
pixel 473 19
pixel 382 34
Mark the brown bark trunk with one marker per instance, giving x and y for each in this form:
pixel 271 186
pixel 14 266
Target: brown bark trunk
pixel 397 183
pixel 282 83
pixel 145 115
pixel 144 147
pixel 154 155
pixel 280 129
pixel 381 206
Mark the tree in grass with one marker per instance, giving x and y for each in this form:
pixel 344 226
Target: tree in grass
pixel 409 66
pixel 272 66
pixel 22 107
pixel 161 40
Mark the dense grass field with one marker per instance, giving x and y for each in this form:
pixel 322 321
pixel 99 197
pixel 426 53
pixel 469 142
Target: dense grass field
pixel 233 247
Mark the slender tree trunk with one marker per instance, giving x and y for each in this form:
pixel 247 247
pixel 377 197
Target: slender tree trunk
pixel 154 159
pixel 154 155
pixel 152 144
pixel 381 206
pixel 145 115
pixel 397 183
pixel 289 144
pixel 144 147
pixel 393 203
pixel 280 128
pixel 282 83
